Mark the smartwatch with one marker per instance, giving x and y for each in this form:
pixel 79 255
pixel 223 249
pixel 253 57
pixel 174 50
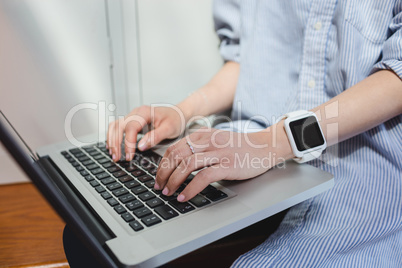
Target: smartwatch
pixel 305 135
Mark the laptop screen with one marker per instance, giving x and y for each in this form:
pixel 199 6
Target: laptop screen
pixel 17 137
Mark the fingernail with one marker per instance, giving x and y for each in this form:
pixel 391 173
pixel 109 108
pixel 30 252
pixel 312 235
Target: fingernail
pixel 127 157
pixel 165 191
pixel 142 145
pixel 107 146
pixel 156 186
pixel 110 151
pixel 181 197
pixel 114 157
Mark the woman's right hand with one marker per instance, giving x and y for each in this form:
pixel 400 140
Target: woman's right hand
pixel 167 123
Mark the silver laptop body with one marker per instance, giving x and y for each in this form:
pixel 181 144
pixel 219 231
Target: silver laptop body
pixel 112 238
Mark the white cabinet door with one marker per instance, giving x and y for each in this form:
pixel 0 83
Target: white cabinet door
pixel 178 48
pixel 54 55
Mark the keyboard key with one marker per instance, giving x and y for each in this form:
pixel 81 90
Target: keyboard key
pixel 89 149
pixel 75 164
pixel 142 212
pixel 136 226
pixel 137 173
pixel 137 157
pixel 168 198
pixel 75 151
pixel 83 158
pixel 94 153
pixel 84 173
pixel 139 190
pixel 79 168
pixel 107 181
pixel 119 174
pixel 181 207
pixel 153 171
pixel 166 212
pixel 120 209
pixel 154 157
pixel 64 153
pixel 158 192
pixel 145 178
pixel 97 171
pixel 100 189
pixel 113 169
pixel 86 147
pixel 126 179
pixel 131 168
pixel 127 217
pixel 89 178
pixel 112 202
pixel 146 196
pixel 106 195
pixel 208 190
pixel 120 192
pixel 102 176
pixel 133 205
pixel 108 164
pixel 132 184
pixel 92 166
pixel 79 155
pixel 103 161
pixel 216 195
pixel 71 160
pixel 199 201
pixel 126 198
pixel 88 162
pixel 155 203
pixel 144 163
pixel 151 220
pixel 94 183
pixel 114 186
pixel 150 184
pixel 99 157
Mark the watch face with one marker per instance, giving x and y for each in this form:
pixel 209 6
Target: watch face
pixel 306 133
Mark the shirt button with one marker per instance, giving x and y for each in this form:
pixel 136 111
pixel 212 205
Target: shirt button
pixel 311 83
pixel 318 26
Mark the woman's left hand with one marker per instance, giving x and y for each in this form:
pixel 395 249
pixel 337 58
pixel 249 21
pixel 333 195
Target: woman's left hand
pixel 223 155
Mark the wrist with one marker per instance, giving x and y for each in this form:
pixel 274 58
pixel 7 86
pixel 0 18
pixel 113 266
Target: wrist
pixel 279 141
pixel 197 104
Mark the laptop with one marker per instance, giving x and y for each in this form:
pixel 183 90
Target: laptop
pixel 114 210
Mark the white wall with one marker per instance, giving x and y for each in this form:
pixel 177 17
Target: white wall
pixel 55 55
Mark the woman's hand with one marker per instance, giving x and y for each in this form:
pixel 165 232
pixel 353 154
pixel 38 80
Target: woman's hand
pixel 168 123
pixel 224 155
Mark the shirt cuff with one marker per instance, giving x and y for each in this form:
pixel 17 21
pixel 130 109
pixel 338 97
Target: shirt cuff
pixel 393 65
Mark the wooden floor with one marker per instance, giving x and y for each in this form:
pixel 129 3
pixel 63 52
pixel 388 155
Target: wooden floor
pixel 31 235
pixel 30 231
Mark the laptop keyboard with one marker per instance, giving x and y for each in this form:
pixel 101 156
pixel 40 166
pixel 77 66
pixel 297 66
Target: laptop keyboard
pixel 128 186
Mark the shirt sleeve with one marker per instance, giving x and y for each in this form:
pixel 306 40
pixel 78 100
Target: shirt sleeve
pixel 392 50
pixel 227 26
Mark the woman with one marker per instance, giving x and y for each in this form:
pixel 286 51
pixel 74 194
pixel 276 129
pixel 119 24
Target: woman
pixel 340 59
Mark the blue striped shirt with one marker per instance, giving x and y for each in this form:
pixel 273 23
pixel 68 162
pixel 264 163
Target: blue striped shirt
pixel 298 54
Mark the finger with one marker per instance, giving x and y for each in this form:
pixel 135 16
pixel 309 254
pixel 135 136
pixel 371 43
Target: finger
pixel 201 181
pixel 116 138
pixel 108 136
pixel 154 137
pixel 134 124
pixel 172 158
pixel 112 143
pixel 192 163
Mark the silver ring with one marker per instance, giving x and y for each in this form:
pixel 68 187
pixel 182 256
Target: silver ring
pixel 191 147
